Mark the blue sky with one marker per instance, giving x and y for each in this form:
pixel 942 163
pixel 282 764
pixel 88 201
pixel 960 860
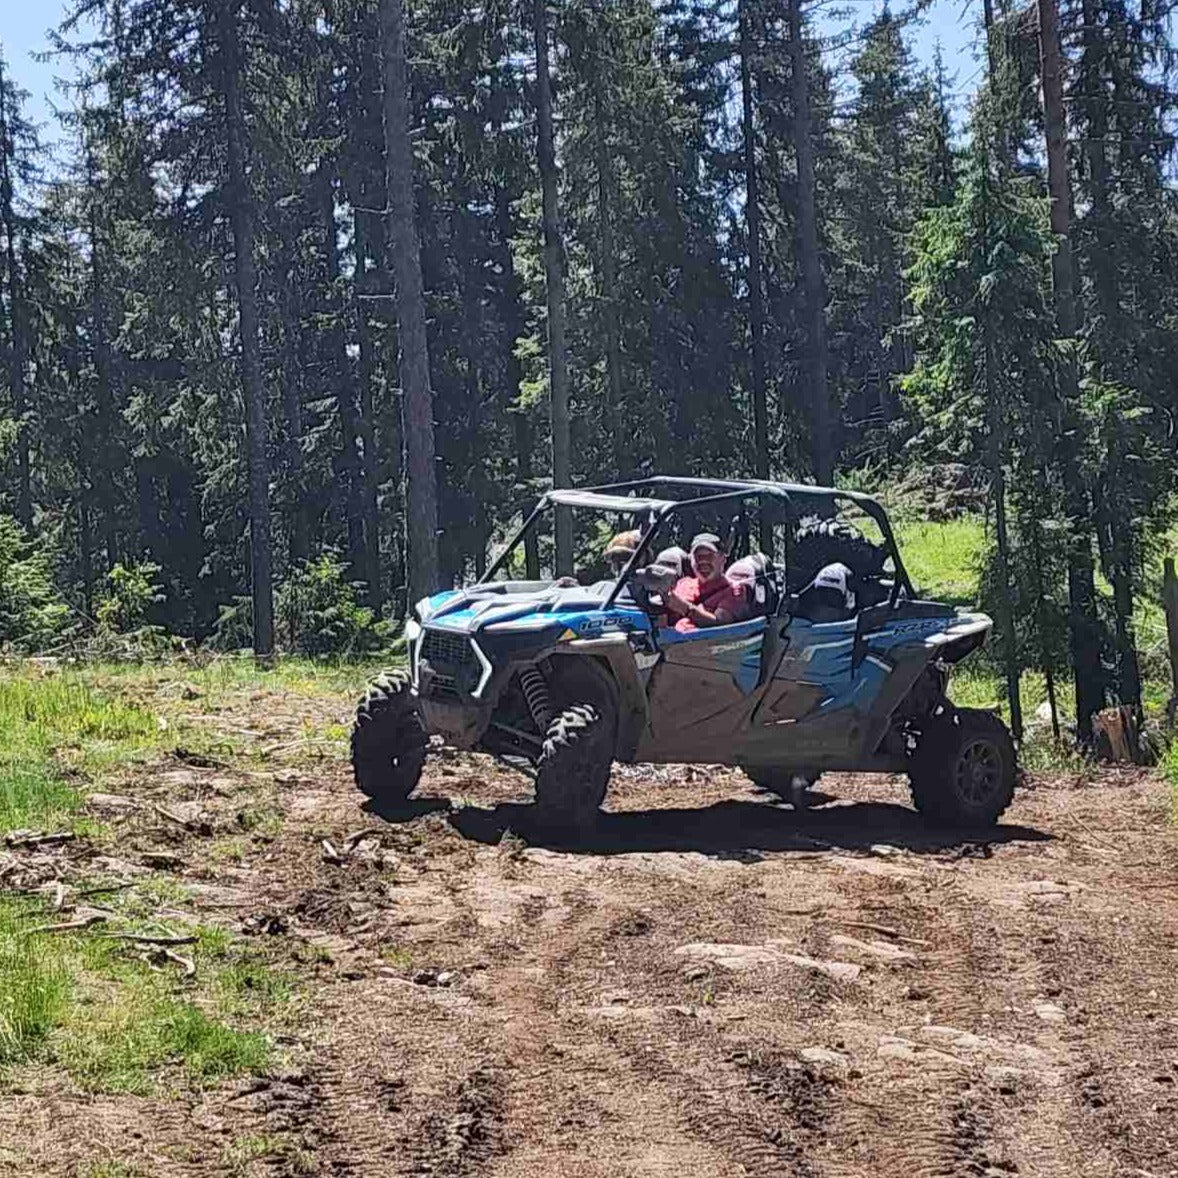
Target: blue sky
pixel 23 24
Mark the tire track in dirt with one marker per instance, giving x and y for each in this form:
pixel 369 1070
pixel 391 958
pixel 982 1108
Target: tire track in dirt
pixel 1114 994
pixel 571 1098
pixel 930 1041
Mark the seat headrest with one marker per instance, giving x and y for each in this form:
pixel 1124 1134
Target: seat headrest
pixel 752 572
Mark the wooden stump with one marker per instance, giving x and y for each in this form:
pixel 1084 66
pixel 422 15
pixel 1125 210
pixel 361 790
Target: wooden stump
pixel 1116 737
pixel 1170 601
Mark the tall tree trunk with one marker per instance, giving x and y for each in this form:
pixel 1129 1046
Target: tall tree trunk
pixel 103 463
pixel 997 447
pixel 1105 289
pixel 85 548
pixel 241 215
pixel 616 418
pixel 822 442
pixel 1083 629
pixel 996 453
pixel 1121 575
pixel 512 318
pixel 291 314
pixel 418 412
pixel 359 545
pixel 83 445
pixel 558 380
pixel 16 360
pixel 367 506
pixel 752 216
pixel 1045 660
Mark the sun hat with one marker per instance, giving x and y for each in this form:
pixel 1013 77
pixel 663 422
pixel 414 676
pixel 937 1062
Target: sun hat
pixel 623 544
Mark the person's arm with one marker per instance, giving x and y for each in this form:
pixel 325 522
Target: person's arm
pixel 678 605
pixel 702 616
pixel 728 610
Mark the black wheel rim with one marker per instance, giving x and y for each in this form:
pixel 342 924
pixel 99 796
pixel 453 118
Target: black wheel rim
pixel 978 772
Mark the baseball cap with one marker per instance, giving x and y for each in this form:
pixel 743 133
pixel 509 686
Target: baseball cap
pixel 706 540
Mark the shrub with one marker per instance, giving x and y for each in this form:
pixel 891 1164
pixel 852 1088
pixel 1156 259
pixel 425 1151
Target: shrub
pixel 319 612
pixel 123 614
pixel 234 627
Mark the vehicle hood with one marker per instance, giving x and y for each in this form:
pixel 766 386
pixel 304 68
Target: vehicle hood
pixel 527 607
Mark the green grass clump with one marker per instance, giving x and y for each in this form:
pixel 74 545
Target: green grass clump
pixel 143 1031
pixel 111 1169
pixel 1170 770
pixel 34 988
pixel 89 1004
pixel 48 719
pixel 33 795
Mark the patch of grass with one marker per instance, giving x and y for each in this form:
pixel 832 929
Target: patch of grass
pixel 261 819
pixel 33 795
pixel 228 674
pixel 111 1169
pixel 397 956
pixel 238 1154
pixel 228 850
pixel 250 983
pixel 944 558
pixel 1170 771
pixel 49 720
pixel 35 987
pixel 122 1044
pixel 89 1004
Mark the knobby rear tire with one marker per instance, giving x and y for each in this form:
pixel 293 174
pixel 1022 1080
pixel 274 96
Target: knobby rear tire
pixel 964 769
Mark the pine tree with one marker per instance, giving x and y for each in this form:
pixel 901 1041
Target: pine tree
pixel 554 285
pixel 404 247
pixel 241 214
pixel 18 149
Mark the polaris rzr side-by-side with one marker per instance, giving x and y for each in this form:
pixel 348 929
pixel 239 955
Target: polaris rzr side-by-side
pixel 838 665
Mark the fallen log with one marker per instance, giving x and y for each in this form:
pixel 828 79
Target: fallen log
pixel 33 838
pixel 148 939
pixel 68 926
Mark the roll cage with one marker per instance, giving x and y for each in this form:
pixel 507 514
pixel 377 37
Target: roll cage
pixel 656 500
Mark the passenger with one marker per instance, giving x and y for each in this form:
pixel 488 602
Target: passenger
pixel 619 550
pixel 707 598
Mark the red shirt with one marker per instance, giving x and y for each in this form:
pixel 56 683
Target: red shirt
pixel 713 595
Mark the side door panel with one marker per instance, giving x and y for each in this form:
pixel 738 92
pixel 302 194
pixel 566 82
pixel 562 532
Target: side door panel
pixel 702 688
pixel 809 712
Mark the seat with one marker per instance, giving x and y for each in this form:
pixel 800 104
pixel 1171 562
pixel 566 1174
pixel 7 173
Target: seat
pixel 756 573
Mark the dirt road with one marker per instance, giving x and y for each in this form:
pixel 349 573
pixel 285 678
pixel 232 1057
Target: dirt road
pixel 712 986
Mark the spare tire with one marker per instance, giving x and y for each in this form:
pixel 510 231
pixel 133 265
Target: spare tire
pixel 820 542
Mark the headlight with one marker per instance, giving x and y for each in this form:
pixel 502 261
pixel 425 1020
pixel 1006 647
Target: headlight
pixel 412 630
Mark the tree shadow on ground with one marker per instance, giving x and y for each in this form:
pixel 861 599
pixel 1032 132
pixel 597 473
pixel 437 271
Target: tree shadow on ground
pixel 742 829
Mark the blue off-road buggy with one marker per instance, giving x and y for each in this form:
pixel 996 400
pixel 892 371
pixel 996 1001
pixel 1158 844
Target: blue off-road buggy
pixel 561 678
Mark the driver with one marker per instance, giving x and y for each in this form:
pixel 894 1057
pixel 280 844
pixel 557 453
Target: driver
pixel 707 598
